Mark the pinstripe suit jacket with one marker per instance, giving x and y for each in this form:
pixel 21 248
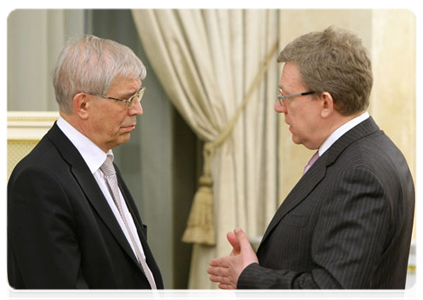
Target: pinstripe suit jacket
pixel 346 224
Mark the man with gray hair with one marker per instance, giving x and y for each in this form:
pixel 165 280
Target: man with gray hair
pixel 72 222
pixel 347 224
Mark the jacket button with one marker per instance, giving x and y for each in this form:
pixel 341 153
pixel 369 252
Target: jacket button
pixel 146 293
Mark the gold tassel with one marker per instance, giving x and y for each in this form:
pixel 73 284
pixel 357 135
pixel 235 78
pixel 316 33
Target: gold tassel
pixel 200 227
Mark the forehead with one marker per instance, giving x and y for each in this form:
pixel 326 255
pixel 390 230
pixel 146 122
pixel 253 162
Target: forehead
pixel 125 86
pixel 291 77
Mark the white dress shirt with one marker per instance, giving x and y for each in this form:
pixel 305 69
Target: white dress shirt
pixel 341 131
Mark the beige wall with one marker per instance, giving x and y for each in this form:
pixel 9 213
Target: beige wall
pixel 390 37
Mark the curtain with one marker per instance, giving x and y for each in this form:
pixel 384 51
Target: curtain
pixel 206 60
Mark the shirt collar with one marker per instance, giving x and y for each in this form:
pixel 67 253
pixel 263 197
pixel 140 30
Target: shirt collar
pixel 93 156
pixel 341 131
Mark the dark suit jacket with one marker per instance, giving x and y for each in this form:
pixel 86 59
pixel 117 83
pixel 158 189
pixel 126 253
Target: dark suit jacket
pixel 61 231
pixel 346 224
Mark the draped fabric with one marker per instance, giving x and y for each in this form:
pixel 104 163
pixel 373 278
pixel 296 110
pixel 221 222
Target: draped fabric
pixel 206 60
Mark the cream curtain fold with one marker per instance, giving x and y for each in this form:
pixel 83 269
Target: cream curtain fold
pixel 206 61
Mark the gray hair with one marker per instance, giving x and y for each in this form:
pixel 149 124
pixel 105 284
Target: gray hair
pixel 334 61
pixel 90 64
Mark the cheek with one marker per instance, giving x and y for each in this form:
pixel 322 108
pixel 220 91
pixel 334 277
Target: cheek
pixel 299 121
pixel 108 126
pixel 300 114
pixel 115 125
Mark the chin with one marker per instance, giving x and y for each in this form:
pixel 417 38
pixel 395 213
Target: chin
pixel 122 140
pixel 296 141
pixel 126 138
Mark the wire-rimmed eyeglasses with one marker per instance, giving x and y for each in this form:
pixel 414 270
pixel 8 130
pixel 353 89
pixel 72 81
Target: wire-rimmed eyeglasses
pixel 281 97
pixel 130 103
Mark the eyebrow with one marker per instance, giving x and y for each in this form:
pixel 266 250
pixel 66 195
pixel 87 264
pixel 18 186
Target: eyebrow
pixel 283 90
pixel 130 94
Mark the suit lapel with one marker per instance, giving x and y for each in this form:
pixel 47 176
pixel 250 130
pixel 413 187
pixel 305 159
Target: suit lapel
pixel 141 232
pixel 317 172
pixel 306 184
pixel 90 187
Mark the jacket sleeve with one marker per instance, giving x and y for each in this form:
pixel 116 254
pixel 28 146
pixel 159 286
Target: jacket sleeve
pixel 350 236
pixel 42 243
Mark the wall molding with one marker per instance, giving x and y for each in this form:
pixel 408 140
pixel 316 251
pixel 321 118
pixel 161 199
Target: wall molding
pixel 29 125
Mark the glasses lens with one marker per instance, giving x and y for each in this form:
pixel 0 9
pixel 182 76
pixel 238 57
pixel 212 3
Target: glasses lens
pixel 280 97
pixel 135 98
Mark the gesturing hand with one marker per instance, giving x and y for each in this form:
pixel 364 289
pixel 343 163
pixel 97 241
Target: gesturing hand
pixel 226 270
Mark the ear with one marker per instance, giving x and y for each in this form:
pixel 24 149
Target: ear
pixel 81 104
pixel 328 106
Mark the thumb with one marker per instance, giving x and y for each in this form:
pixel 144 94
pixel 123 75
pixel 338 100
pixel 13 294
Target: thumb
pixel 244 243
pixel 234 242
pixel 247 254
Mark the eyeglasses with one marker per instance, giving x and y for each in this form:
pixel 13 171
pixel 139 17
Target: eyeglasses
pixel 281 97
pixel 130 103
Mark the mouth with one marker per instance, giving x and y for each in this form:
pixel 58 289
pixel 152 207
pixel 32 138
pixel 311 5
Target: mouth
pixel 289 126
pixel 129 127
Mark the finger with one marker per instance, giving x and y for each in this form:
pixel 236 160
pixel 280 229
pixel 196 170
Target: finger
pixel 226 286
pixel 219 262
pixel 215 262
pixel 234 242
pixel 215 278
pixel 218 271
pixel 221 279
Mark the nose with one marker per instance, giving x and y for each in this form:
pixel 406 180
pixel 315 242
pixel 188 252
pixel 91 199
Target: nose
pixel 136 110
pixel 280 108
